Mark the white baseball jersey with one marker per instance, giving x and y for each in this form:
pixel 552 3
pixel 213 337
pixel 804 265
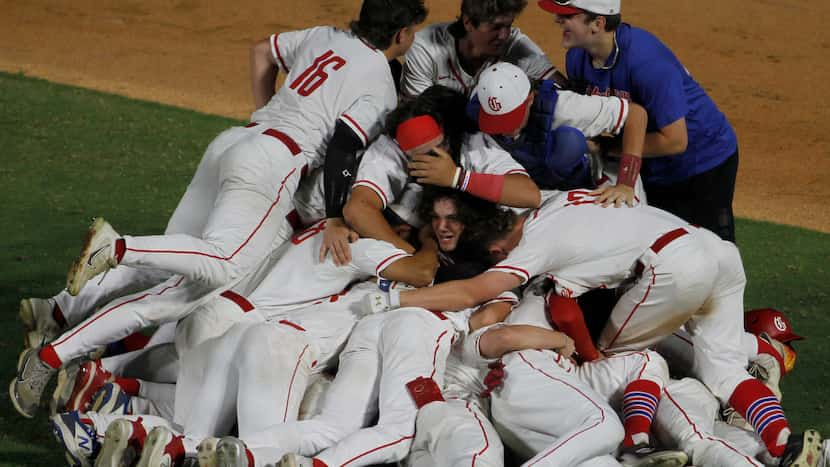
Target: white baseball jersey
pixel 298 277
pixel 433 59
pixel 383 168
pixel 332 75
pixel 592 115
pixel 582 245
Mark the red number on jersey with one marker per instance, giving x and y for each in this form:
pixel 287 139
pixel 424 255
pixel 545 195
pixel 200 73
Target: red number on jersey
pixel 577 197
pixel 300 237
pixel 314 76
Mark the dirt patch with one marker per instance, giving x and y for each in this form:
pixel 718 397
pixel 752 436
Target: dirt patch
pixel 760 65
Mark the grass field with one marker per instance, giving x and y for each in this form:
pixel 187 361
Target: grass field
pixel 70 154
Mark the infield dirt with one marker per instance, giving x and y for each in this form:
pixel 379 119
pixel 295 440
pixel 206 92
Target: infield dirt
pixel 765 63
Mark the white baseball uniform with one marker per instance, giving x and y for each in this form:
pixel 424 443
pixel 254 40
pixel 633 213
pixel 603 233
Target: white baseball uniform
pixel 681 274
pixel 332 76
pixel 433 59
pixel 383 354
pixel 383 168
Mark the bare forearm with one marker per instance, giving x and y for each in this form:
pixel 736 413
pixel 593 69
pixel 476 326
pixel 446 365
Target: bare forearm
pixel 417 270
pixel 263 73
pixel 449 296
pixel 634 132
pixel 370 223
pixel 520 192
pixel 669 140
pixel 497 342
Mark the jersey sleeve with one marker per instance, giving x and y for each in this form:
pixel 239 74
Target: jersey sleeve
pixel 382 172
pixel 371 257
pixel 418 69
pixel 366 115
pixel 528 56
pixel 285 46
pixel 659 85
pixel 484 155
pixel 533 255
pixel 592 115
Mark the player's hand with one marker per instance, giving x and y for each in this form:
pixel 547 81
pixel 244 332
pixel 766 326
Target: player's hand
pixel 433 169
pixel 568 348
pixel 336 239
pixel 616 195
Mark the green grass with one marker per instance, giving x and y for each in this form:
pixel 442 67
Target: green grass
pixel 70 154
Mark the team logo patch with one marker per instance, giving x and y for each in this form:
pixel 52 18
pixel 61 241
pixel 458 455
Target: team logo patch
pixel 780 324
pixel 494 103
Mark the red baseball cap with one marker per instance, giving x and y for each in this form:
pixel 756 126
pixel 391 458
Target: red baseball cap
pixel 772 322
pixel 572 7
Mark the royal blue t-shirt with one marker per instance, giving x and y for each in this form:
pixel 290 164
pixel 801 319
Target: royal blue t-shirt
pixel 648 73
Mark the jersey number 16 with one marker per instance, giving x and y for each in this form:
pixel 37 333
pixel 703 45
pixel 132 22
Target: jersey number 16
pixel 314 76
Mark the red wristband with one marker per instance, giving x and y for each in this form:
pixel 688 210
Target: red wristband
pixel 484 186
pixel 629 169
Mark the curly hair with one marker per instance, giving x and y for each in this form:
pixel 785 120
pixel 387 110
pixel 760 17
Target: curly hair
pixel 380 20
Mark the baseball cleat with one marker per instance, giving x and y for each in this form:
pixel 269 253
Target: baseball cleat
pixel 36 314
pixel 77 436
pixel 90 377
pixel 97 255
pixel 111 399
pixel 123 442
pixel 825 453
pixel 206 452
pixel 803 450
pixel 644 455
pixel 27 387
pixel 162 449
pixel 295 460
pixel 64 387
pixel 231 452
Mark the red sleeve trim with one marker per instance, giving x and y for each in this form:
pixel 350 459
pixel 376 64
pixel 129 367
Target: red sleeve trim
pixel 353 124
pixel 389 260
pixel 279 55
pixel 374 187
pixel 620 116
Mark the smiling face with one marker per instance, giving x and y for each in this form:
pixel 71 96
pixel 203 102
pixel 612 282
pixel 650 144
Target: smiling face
pixel 575 31
pixel 446 224
pixel 489 38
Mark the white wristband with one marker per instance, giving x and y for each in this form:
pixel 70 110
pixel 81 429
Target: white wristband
pixel 394 298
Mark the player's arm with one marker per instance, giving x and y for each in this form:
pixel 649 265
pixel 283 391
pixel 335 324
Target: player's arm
pixel 671 139
pixel 263 72
pixel 417 270
pixel 458 295
pixel 514 190
pixel 364 213
pixel 491 313
pixel 418 70
pixel 504 339
pixel 338 173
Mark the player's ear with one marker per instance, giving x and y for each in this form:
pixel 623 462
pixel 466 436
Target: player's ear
pixel 467 22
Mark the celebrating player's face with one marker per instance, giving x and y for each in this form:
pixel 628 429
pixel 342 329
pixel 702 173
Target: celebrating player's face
pixel 575 33
pixel 445 224
pixel 490 37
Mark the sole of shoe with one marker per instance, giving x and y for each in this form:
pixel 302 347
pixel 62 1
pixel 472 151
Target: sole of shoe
pixel 288 460
pixel 206 452
pixel 230 455
pixel 664 459
pixel 811 450
pixel 152 455
pixel 14 394
pixel 75 279
pixel 63 388
pixel 27 314
pixel 116 450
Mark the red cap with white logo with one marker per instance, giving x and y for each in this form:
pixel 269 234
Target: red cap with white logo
pixel 772 322
pixel 504 93
pixel 572 7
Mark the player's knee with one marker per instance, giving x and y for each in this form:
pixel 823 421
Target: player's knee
pixel 655 368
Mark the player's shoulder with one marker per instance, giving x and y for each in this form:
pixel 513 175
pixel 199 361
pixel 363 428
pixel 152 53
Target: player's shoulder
pixel 384 150
pixel 644 48
pixel 434 38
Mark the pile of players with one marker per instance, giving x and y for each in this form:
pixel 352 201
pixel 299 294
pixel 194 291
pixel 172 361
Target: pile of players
pixel 357 278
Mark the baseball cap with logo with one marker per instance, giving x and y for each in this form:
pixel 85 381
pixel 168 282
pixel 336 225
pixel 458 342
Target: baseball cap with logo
pixel 572 7
pixel 504 93
pixel 772 322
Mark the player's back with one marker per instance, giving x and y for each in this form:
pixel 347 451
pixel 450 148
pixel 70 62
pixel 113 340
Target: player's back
pixel 332 74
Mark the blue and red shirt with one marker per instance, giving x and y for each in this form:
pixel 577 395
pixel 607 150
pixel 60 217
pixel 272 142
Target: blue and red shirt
pixel 646 72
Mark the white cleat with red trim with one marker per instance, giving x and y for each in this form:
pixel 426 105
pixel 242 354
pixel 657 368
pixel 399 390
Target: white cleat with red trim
pixel 97 255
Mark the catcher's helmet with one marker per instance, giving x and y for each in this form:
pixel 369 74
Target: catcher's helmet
pixel 772 322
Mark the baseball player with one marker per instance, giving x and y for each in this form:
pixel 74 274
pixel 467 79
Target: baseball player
pixel 338 91
pixel 566 239
pixel 430 124
pixel 536 125
pixel 696 178
pixel 453 54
